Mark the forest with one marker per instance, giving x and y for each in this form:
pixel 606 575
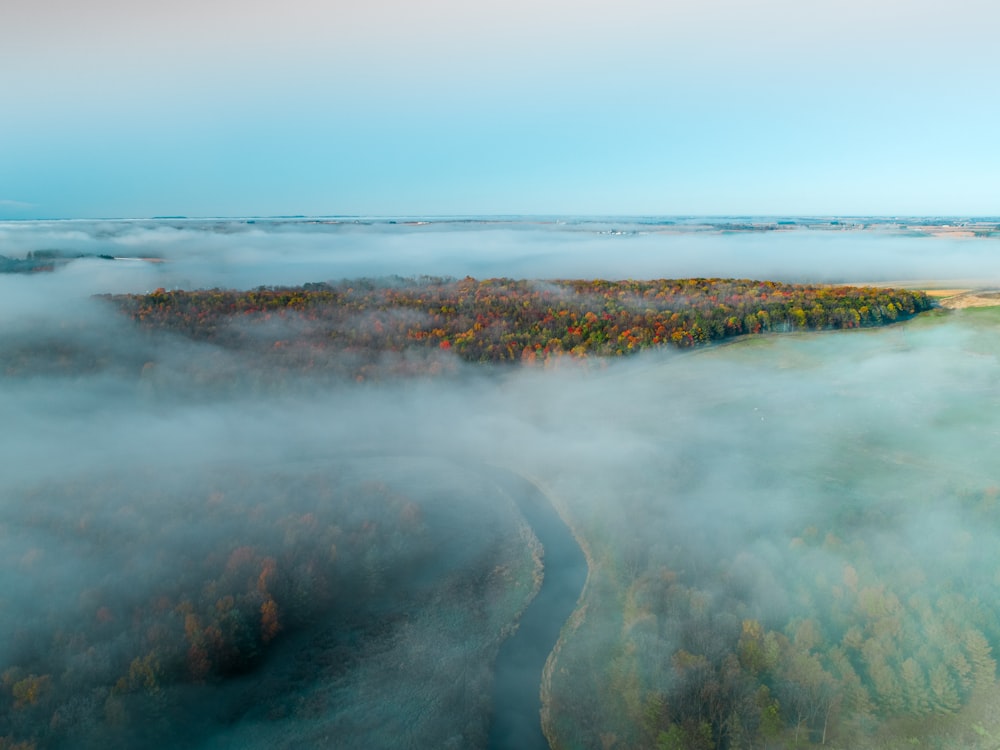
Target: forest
pixel 785 548
pixel 822 567
pixel 309 567
pixel 504 320
pixel 860 650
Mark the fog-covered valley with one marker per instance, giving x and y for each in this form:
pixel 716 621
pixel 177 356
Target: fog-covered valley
pixel 790 538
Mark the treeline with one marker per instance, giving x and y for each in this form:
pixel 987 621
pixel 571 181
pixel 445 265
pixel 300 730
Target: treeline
pixel 504 320
pixel 40 261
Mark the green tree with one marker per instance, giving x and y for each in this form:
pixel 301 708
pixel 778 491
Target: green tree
pixel 946 698
pixel 689 736
pixel 984 666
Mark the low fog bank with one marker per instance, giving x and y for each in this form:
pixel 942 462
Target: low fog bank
pixel 747 458
pixel 238 254
pixel 276 573
pixel 145 530
pixel 836 482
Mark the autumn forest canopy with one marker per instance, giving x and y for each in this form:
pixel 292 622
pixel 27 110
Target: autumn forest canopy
pixel 504 320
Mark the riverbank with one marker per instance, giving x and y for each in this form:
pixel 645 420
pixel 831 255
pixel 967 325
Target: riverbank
pixel 574 621
pixel 518 704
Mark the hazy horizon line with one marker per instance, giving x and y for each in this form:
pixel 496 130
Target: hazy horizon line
pixel 509 217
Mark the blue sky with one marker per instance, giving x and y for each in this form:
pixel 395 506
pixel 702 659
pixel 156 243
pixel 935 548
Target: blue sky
pixel 119 109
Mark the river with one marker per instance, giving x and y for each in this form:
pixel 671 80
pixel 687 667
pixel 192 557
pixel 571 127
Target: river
pixel 517 703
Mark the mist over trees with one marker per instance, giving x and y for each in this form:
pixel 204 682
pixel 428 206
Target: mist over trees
pixel 216 534
pixel 503 320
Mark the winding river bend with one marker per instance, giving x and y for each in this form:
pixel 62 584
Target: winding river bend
pixel 517 702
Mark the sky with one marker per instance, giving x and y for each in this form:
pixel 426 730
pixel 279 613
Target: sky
pixel 443 107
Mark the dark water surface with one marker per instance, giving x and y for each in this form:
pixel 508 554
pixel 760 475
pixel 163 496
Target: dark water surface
pixel 517 704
